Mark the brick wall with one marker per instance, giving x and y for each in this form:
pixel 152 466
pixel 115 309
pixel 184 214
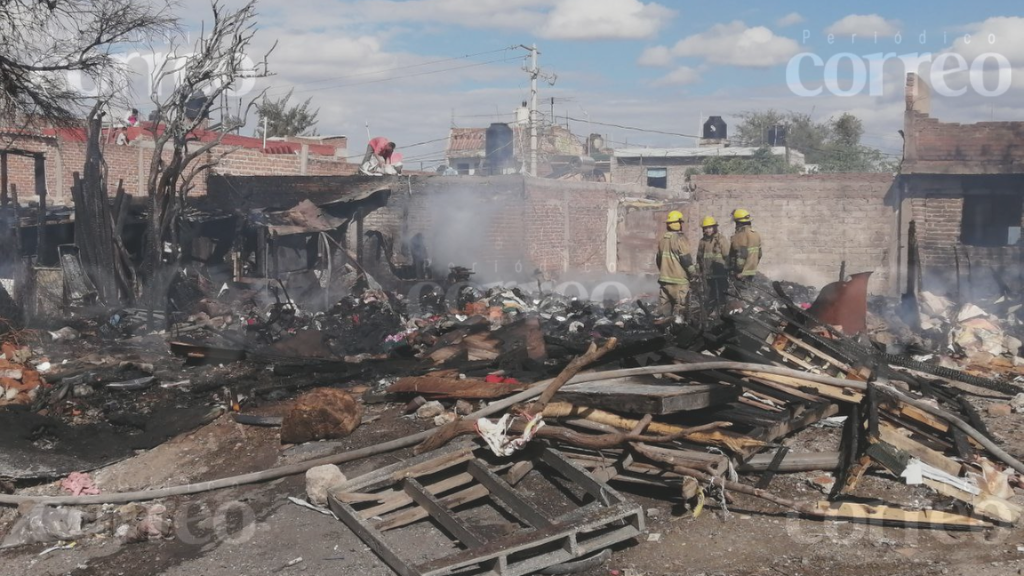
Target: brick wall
pixel 809 223
pixel 65 155
pixel 935 203
pixel 935 147
pixel 505 227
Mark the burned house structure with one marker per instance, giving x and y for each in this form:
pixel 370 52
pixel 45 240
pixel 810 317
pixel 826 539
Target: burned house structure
pixel 961 202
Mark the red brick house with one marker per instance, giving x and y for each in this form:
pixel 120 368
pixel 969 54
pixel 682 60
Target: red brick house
pixel 128 151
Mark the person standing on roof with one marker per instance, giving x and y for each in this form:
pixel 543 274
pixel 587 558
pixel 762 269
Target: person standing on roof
pixel 745 251
pixel 711 254
pixel 675 267
pixel 378 154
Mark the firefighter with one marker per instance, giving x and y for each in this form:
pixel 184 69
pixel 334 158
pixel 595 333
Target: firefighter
pixel 711 254
pixel 745 251
pixel 676 267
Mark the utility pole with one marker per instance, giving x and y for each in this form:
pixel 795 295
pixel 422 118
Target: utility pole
pixel 534 73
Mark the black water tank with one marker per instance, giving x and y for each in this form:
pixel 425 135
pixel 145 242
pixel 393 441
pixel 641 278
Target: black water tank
pixel 715 128
pixel 499 148
pixel 776 135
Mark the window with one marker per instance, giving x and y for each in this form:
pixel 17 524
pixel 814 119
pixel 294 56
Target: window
pixel 991 220
pixel 657 177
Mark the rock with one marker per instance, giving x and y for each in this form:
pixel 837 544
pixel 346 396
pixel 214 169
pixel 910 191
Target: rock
pixel 463 408
pixel 83 390
pixel 65 334
pixel 445 418
pixel 415 404
pixel 321 414
pixel 1017 403
pixel 998 410
pixel 430 410
pixel 319 480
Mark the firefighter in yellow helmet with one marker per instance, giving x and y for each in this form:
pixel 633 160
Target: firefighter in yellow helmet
pixel 675 267
pixel 711 255
pixel 745 251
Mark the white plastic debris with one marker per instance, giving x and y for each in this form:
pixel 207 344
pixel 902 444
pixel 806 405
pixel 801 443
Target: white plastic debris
pixel 496 434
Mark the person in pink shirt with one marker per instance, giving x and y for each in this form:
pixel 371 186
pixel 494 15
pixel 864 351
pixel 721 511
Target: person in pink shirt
pixel 380 148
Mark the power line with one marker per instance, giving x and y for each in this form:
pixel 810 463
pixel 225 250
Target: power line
pixel 630 127
pixel 371 73
pixel 402 77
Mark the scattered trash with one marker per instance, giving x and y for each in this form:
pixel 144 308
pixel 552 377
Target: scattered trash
pixel 78 484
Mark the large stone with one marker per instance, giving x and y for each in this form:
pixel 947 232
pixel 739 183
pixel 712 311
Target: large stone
pixel 321 414
pixel 319 481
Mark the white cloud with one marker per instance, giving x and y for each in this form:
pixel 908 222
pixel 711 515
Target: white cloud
pixel 607 19
pixel 791 19
pixel 655 57
pixel 556 19
pixel 1001 35
pixel 679 77
pixel 737 44
pixel 502 14
pixel 864 25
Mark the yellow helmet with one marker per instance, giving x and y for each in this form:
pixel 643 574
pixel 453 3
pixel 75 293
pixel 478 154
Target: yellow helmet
pixel 708 221
pixel 741 215
pixel 674 216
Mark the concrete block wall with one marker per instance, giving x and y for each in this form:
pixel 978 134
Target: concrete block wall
pixel 809 223
pixel 634 172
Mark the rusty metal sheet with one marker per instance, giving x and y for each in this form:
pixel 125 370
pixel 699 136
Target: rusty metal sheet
pixel 844 304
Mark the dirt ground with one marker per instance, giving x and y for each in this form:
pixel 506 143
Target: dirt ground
pixel 256 530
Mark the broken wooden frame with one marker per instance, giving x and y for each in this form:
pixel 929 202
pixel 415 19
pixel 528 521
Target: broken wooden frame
pixel 436 485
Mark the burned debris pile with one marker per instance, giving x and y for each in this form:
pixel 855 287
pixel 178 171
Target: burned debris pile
pixel 514 385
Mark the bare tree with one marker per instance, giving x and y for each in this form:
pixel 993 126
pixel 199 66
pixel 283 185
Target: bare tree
pixel 44 42
pixel 184 147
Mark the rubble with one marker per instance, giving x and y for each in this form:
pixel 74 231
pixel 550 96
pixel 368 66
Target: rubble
pixel 624 398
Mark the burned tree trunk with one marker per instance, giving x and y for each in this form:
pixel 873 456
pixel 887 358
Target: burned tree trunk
pixel 94 233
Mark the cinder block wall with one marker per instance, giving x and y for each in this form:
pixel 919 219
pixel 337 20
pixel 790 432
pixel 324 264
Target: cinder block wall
pixel 809 223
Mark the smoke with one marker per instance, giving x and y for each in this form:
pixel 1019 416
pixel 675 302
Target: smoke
pixel 476 227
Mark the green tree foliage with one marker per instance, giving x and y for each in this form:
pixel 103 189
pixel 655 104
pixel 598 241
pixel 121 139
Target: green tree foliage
pixel 761 162
pixel 285 120
pixel 833 145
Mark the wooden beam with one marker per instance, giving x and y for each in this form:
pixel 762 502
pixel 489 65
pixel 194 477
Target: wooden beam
pixel 898 516
pixel 647 395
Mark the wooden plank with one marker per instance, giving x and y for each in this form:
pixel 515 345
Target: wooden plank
pixel 987 505
pixel 396 499
pixel 786 427
pixel 503 492
pixel 892 515
pixel 524 542
pixel 371 536
pixel 826 390
pixel 794 462
pixel 646 395
pixel 439 512
pixel 406 517
pixel 891 435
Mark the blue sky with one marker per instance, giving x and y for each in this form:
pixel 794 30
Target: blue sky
pixel 399 65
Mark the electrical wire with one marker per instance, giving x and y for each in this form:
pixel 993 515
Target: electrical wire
pixel 425 73
pixel 371 73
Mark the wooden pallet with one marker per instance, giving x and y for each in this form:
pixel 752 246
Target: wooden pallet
pixel 434 485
